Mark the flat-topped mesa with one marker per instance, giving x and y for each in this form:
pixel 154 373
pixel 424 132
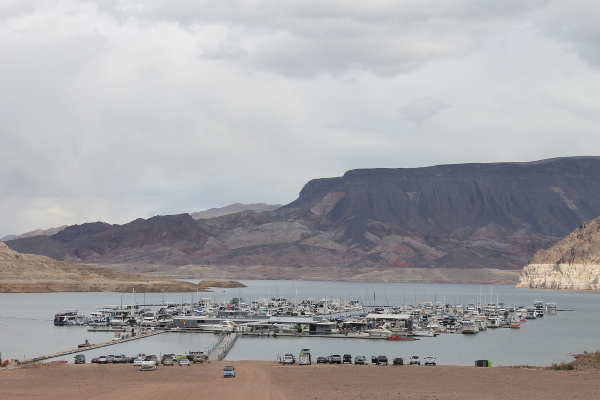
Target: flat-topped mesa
pixel 573 263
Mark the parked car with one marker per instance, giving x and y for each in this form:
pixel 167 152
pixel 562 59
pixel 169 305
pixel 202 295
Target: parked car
pixel 335 359
pixel 229 372
pixel 95 360
pixel 430 360
pixel 102 360
pixel 398 361
pixel 138 361
pixel 184 361
pixel 382 360
pixel 360 360
pixel 118 359
pixel 347 359
pixel 415 360
pixel 289 359
pixel 197 357
pixel 169 358
pixel 150 363
pixel 321 360
pixel 79 359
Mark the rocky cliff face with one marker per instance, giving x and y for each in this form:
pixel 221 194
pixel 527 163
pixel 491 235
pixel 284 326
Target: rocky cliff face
pixel 449 223
pixel 572 263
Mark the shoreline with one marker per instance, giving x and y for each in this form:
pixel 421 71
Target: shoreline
pixel 271 380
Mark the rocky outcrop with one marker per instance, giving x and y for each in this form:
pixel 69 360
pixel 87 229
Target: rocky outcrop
pixel 572 263
pixel 449 223
pixel 560 276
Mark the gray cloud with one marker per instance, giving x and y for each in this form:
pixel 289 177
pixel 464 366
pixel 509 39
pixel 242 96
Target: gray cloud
pixel 421 110
pixel 116 110
pixel 305 39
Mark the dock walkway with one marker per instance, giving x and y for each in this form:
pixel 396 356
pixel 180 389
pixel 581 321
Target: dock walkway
pixel 90 347
pixel 222 346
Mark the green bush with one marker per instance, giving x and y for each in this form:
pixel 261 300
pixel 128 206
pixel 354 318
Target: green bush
pixel 562 366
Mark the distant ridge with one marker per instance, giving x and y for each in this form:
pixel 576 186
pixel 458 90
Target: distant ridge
pixel 232 209
pixel 37 232
pixel 472 223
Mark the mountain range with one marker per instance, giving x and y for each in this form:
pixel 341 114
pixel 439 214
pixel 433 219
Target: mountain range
pixel 448 223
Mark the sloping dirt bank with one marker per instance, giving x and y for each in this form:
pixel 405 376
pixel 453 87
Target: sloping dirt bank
pixel 262 380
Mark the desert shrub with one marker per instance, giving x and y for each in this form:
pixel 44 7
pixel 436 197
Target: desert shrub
pixel 561 366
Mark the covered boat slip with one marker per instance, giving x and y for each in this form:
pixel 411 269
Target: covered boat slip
pixel 311 325
pixel 257 324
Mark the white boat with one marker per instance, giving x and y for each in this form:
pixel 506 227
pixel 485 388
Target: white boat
pixel 98 318
pixel 493 321
pixel 223 326
pixel 379 332
pixel 423 333
pixel 469 327
pixel 69 317
pixel 149 321
pixel 118 320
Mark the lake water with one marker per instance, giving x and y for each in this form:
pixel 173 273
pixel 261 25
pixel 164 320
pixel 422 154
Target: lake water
pixel 26 328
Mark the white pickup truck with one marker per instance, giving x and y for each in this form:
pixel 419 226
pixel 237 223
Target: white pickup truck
pixel 149 363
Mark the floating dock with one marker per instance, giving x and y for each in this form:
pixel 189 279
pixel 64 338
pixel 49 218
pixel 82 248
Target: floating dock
pixel 220 349
pixel 90 347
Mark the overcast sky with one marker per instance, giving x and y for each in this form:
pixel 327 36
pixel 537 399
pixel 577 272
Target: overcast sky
pixel 113 110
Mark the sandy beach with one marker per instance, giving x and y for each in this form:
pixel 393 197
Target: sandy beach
pixel 269 380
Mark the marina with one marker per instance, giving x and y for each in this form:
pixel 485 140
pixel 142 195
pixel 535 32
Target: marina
pixel 439 333
pixel 324 317
pixel 278 316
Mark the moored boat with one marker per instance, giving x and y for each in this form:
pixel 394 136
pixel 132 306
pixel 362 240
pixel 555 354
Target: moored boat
pixel 398 338
pixel 68 317
pixel 469 327
pixel 379 332
pixel 85 344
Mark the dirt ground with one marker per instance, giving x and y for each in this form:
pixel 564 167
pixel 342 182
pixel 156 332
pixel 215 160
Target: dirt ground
pixel 268 380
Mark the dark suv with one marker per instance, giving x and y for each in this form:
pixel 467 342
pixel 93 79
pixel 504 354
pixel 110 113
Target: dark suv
pixel 382 360
pixel 347 359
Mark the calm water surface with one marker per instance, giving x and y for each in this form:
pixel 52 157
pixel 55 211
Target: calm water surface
pixel 26 328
